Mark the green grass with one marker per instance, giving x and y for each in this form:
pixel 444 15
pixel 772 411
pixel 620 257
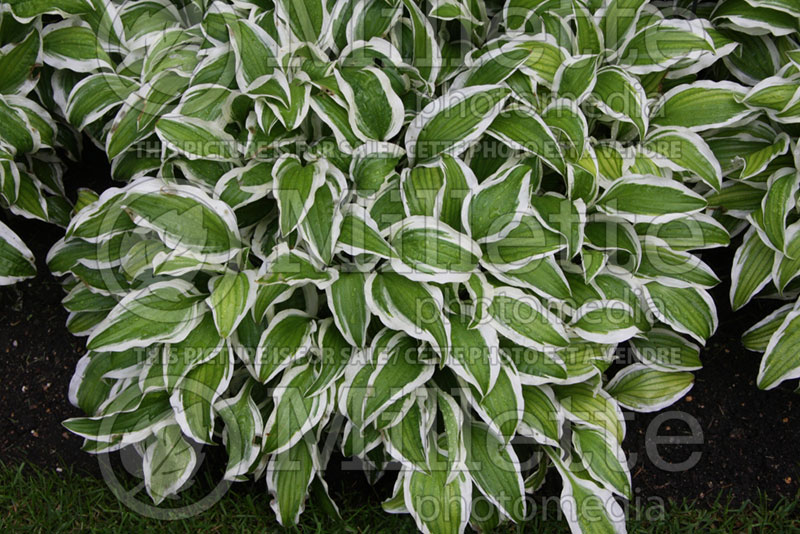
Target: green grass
pixel 33 500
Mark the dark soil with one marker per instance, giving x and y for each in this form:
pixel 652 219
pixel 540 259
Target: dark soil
pixel 37 358
pixel 749 438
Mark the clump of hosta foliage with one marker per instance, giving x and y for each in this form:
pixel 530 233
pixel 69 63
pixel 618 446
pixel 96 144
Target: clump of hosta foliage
pixel 31 172
pixel 422 232
pixel 758 151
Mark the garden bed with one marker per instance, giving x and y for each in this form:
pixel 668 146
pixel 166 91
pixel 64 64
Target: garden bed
pixel 750 436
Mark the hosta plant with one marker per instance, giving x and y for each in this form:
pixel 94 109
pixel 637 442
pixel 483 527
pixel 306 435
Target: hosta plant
pixel 31 172
pixel 759 155
pixel 458 238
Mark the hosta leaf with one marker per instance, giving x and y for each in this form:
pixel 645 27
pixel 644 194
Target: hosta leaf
pixel 321 226
pixel 567 216
pixel 360 234
pixel 295 188
pixel 642 389
pixel 17 62
pixel 450 123
pixel 542 418
pixel 426 50
pixel 89 389
pixel 372 164
pixel 754 19
pixel 543 276
pixel 524 319
pixel 453 417
pixel 698 231
pixel 682 150
pixel 162 312
pixel 336 352
pixel 376 112
pixel 545 58
pixel 293 267
pixel 451 500
pixel 752 268
pixel 776 205
pixel 664 350
pixel 459 180
pixel 473 354
pixel 604 458
pixel 201 345
pixel 195 394
pixel 41 123
pixel 605 321
pixel 701 106
pixel 647 198
pixel 522 129
pixel 780 360
pixel 787 6
pixel 336 117
pixel 588 507
pixel 493 66
pixel 589 38
pixel 677 41
pixel 575 77
pixel 286 339
pixel 136 119
pixel 232 295
pixel 623 289
pixel 133 418
pixel 309 20
pixel 196 138
pixel 772 93
pixel 688 310
pixel 502 407
pixel 495 469
pixel 412 307
pixel 372 18
pixel 81 298
pixel 786 267
pixel 294 413
pixel 529 241
pixel 535 367
pixel 289 475
pixel 397 373
pixel 758 336
pixel 16 259
pixel 422 190
pixel 267 296
pixel 243 424
pixel 597 409
pixel 497 204
pixel 566 121
pixel 254 50
pixel 168 463
pixel 28 9
pixel 348 304
pixel 737 197
pixel 15 128
pixel 758 161
pixel 610 160
pixel 66 45
pixel 660 262
pixel 96 95
pixel 430 251
pixel 618 20
pixel 185 218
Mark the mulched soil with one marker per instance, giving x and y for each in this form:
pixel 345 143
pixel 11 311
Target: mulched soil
pixel 750 437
